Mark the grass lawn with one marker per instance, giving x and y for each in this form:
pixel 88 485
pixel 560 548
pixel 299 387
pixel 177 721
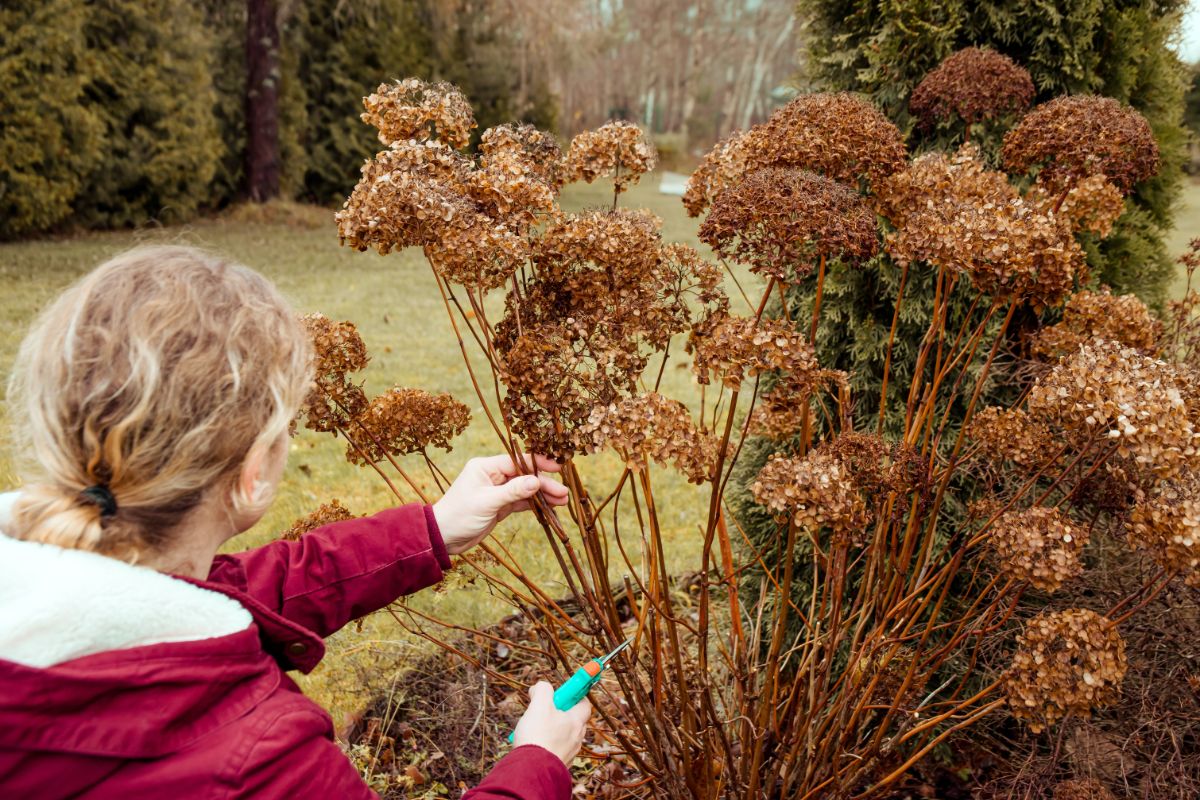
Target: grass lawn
pixel 396 305
pixel 1187 227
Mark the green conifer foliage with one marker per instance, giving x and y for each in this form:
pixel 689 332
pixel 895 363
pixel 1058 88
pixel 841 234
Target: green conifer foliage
pixel 47 140
pixel 335 53
pixel 1118 49
pixel 149 84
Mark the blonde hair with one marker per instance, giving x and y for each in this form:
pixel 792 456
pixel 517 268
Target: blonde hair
pixel 155 376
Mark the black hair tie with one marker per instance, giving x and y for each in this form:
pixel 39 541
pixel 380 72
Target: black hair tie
pixel 100 495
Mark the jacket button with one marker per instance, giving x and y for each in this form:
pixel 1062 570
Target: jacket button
pixel 296 649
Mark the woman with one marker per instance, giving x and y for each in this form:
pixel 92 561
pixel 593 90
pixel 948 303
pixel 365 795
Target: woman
pixel 153 399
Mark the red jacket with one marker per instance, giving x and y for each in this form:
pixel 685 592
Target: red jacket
pixel 218 717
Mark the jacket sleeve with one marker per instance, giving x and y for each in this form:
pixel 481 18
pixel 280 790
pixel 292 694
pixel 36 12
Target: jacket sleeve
pixel 339 572
pixel 527 773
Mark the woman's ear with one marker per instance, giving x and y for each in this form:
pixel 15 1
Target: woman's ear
pixel 254 488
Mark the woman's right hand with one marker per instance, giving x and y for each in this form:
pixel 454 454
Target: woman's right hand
pixel 560 732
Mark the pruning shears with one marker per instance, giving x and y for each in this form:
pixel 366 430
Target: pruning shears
pixel 579 684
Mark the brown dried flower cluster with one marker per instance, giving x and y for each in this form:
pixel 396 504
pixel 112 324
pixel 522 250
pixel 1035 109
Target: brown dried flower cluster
pixel 618 150
pixel 1077 136
pixel 607 292
pixel 779 413
pixel 1112 395
pixel 414 109
pixel 609 273
pixel 473 220
pixel 556 375
pixel 1040 546
pixel 957 214
pixel 427 195
pixel 733 348
pixel 480 257
pixel 1093 204
pixel 720 167
pixel 338 350
pixel 781 221
pixel 409 195
pixel 830 486
pixel 520 172
pixel 533 151
pixel 1010 433
pixel 651 427
pixel 838 135
pixel 1167 524
pixel 878 467
pixel 1099 315
pixel 973 84
pixel 1067 663
pixel 326 514
pixel 402 421
pixel 814 492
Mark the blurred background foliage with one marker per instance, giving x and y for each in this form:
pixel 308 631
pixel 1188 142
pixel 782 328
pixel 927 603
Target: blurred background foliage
pixel 116 113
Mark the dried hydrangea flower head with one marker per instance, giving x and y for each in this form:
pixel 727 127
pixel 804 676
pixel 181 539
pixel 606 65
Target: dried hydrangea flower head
pixel 1081 789
pixel 1113 396
pixel 610 274
pixel 1077 136
pixel 813 492
pixel 338 351
pixel 734 348
pixel 927 201
pixel 779 413
pixel 957 214
pixel 469 221
pixel 537 150
pixel 520 172
pixel 781 221
pixel 414 109
pixel 838 135
pixel 402 421
pixel 326 514
pixel 617 149
pixel 650 427
pixel 408 196
pixel 481 257
pixel 973 84
pixel 606 293
pixel 720 167
pixel 554 381
pixel 876 466
pixel 1067 663
pixel 1010 433
pixel 1093 204
pixel 1040 546
pixel 1124 319
pixel 1167 525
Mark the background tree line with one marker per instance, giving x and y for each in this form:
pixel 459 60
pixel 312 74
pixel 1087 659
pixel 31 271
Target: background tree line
pixel 116 112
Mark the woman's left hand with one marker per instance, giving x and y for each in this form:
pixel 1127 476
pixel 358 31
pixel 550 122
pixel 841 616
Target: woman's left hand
pixel 488 490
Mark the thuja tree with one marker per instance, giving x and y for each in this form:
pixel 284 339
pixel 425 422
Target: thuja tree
pixel 48 148
pixel 1115 49
pixel 839 689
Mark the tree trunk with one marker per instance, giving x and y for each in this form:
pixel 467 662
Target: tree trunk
pixel 262 100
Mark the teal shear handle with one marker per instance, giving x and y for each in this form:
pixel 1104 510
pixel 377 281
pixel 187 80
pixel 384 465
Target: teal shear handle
pixel 570 693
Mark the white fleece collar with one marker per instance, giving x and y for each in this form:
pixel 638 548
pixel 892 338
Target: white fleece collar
pixel 57 605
